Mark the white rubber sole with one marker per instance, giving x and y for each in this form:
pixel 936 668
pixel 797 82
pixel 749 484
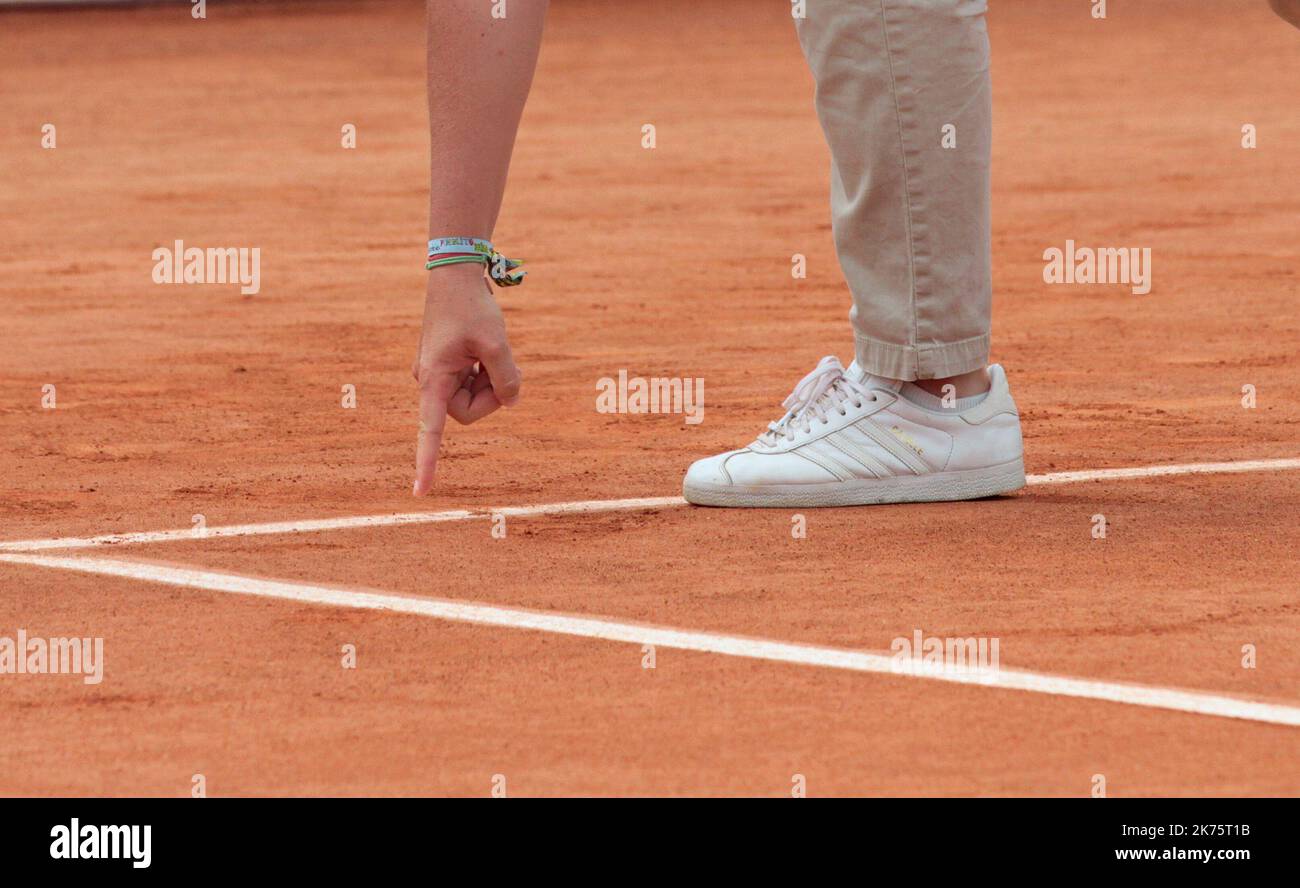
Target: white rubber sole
pixel 938 487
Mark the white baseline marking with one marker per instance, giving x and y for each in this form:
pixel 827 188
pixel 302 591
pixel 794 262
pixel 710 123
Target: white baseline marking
pixel 1214 468
pixel 343 523
pixel 660 502
pixel 708 642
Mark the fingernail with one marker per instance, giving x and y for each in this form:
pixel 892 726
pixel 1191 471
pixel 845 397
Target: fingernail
pixel 510 402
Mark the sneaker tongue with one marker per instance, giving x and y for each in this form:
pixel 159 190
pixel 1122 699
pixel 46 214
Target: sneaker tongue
pixel 866 380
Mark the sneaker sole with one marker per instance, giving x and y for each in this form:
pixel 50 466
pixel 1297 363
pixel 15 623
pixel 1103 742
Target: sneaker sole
pixel 935 488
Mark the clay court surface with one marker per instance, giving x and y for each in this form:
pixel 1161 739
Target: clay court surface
pixel 176 401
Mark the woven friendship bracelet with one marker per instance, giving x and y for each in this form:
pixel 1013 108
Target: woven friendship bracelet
pixel 455 250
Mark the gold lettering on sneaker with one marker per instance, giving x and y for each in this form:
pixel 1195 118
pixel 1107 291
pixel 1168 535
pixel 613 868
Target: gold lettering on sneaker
pixel 905 438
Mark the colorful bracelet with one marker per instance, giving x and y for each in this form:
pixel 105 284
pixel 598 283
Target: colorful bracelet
pixel 455 250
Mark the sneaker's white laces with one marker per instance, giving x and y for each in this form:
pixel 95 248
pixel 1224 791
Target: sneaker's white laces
pixel 825 389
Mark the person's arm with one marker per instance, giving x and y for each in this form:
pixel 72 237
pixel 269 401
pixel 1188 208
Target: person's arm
pixel 1288 9
pixel 480 69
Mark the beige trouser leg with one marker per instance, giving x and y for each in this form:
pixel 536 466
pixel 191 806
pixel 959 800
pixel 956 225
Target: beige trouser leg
pixel 904 99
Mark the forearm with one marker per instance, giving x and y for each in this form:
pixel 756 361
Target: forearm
pixel 480 70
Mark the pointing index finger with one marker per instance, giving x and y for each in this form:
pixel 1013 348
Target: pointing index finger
pixel 433 419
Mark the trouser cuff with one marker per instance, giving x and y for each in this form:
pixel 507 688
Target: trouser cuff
pixel 913 362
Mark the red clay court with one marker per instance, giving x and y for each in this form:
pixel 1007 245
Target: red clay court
pixel 522 658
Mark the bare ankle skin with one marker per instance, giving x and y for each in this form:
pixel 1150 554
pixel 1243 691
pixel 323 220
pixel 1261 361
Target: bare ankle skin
pixel 975 382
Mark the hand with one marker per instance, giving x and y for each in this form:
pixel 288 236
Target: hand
pixel 463 364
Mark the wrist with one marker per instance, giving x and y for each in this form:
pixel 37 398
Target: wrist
pixel 445 252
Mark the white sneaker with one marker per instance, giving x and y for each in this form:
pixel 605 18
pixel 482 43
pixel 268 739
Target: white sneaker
pixel 851 439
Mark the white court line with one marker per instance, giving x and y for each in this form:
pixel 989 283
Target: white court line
pixel 707 642
pixel 342 523
pixel 660 502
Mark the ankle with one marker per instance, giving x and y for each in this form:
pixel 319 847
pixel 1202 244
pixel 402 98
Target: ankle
pixel 964 385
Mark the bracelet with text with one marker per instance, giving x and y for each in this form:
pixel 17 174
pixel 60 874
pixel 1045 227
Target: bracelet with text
pixel 455 250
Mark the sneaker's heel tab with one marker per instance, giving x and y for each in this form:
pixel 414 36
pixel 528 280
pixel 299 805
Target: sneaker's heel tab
pixel 999 399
